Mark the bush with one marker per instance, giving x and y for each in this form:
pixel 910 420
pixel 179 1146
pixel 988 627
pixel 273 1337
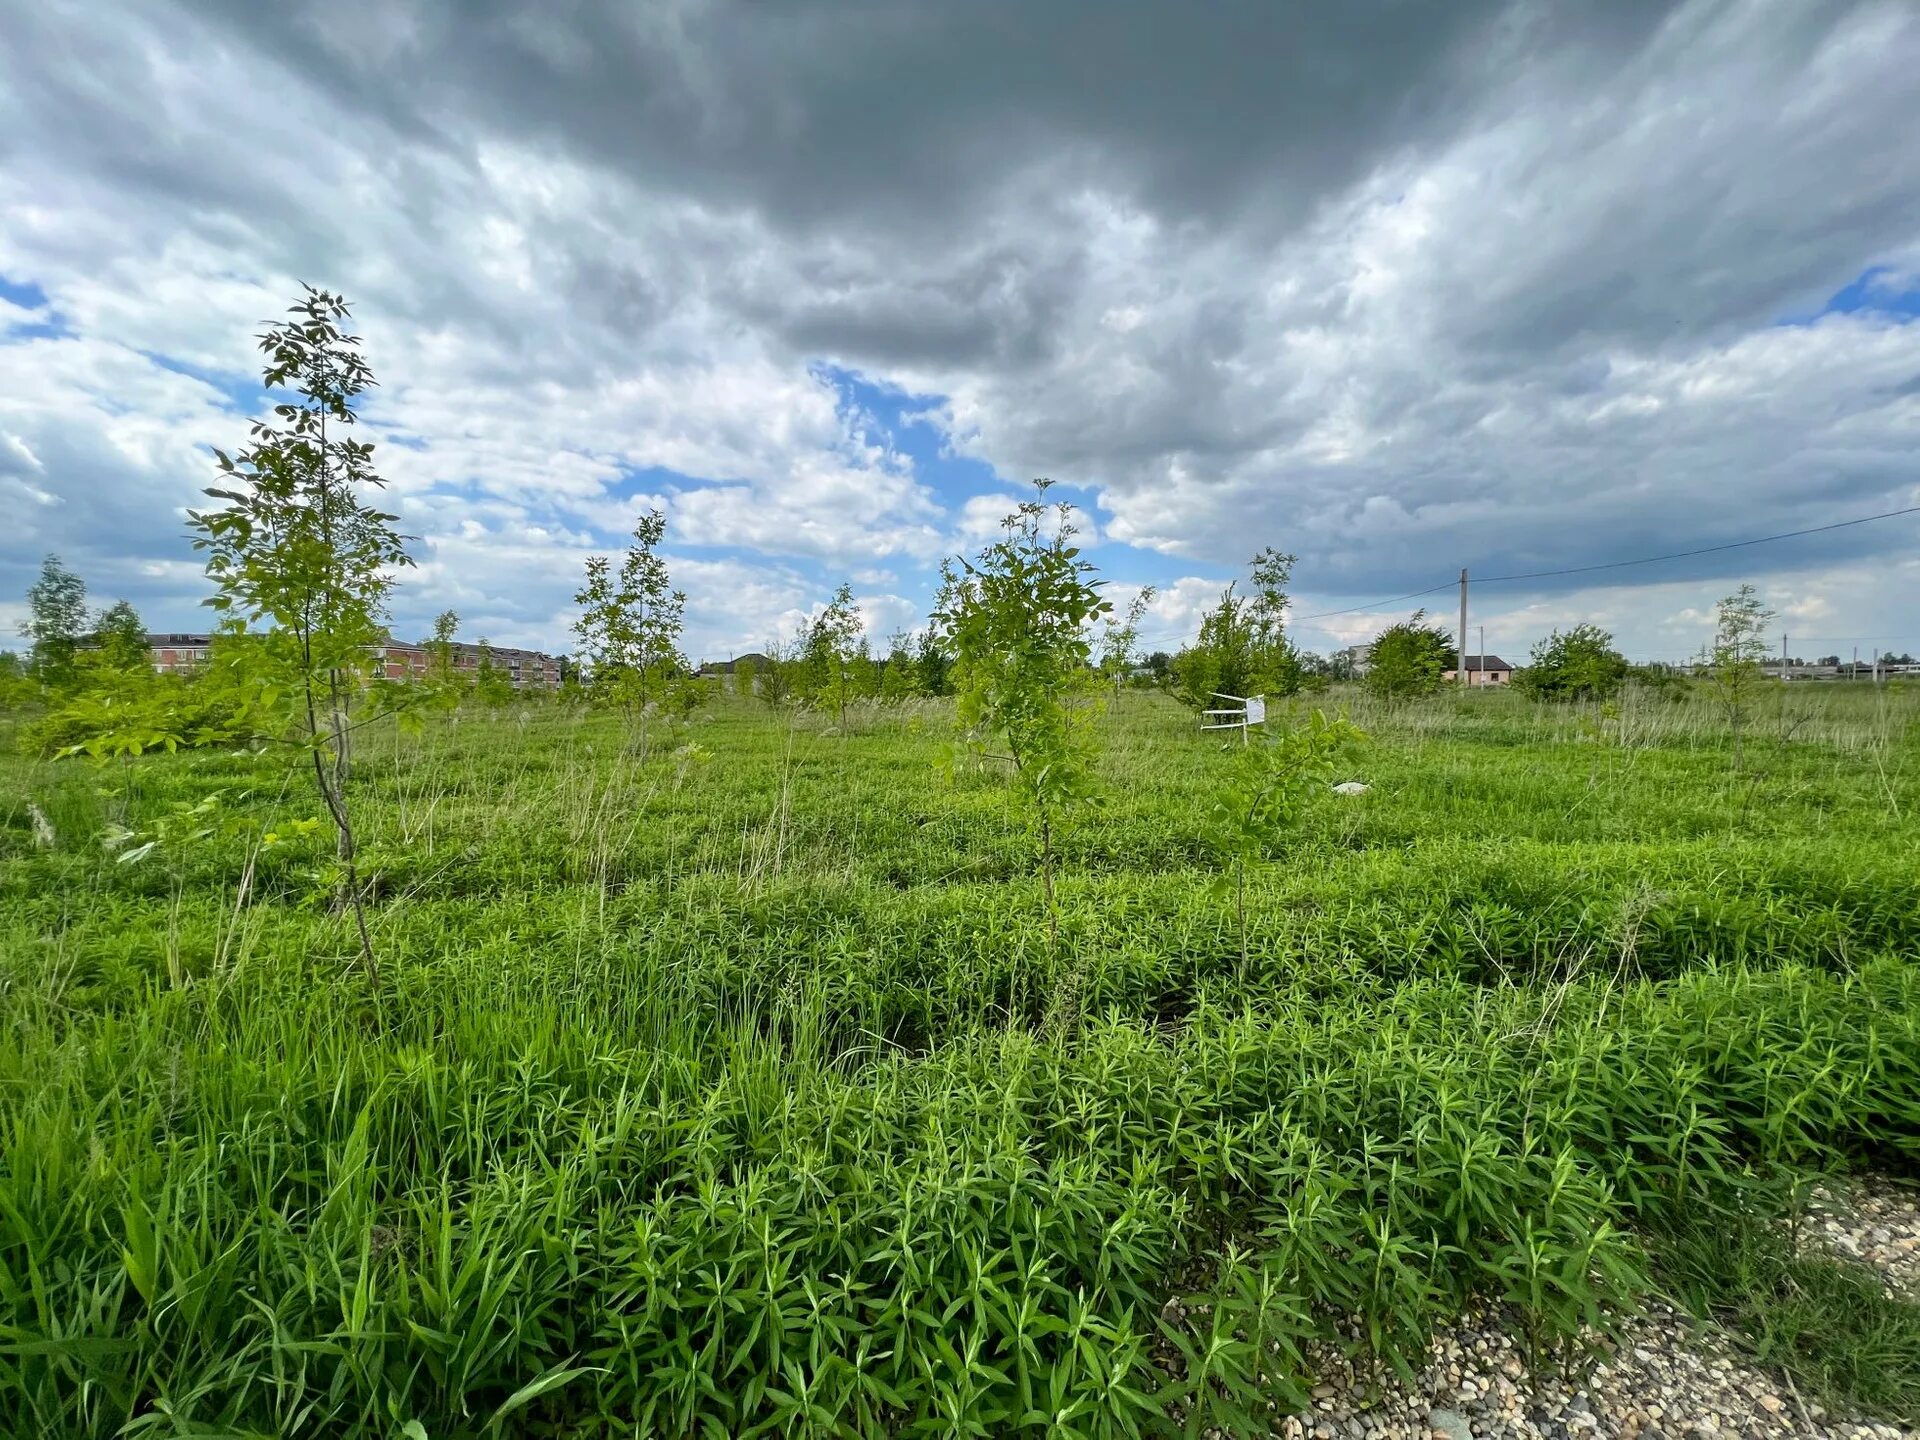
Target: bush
pixel 134 712
pixel 1408 659
pixel 1577 664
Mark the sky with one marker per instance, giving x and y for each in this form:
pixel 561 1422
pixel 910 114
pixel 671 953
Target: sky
pixel 1397 288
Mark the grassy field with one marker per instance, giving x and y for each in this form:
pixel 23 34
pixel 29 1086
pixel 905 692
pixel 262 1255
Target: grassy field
pixel 731 1086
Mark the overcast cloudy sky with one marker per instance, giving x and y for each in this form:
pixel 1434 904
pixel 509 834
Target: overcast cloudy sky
pixel 1398 287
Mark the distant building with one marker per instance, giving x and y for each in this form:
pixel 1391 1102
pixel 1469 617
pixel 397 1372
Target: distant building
pixel 750 665
pixel 1484 670
pixel 1359 659
pixel 397 660
pixel 526 669
pixel 174 654
pixel 752 660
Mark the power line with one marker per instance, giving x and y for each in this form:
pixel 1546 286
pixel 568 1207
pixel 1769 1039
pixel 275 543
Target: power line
pixel 1589 569
pixel 1374 605
pixel 1703 550
pixel 1325 614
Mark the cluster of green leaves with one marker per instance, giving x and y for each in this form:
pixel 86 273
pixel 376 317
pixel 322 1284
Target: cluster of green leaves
pixel 1733 671
pixel 1576 664
pixel 1016 617
pixel 97 690
pixel 1243 648
pixel 697 1110
pixel 630 624
pixel 833 666
pixel 1266 787
pixel 1409 659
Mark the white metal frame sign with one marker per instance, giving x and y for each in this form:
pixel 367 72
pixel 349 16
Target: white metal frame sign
pixel 1247 711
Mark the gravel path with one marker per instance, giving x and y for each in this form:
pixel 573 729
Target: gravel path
pixel 1872 1220
pixel 1666 1379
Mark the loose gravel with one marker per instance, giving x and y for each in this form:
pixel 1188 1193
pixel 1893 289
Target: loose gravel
pixel 1873 1220
pixel 1663 1377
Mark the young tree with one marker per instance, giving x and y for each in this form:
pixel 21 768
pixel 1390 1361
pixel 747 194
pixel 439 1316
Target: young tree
pixel 629 629
pixel 864 672
pixel 832 652
pixel 932 664
pixel 13 678
pixel 776 681
pixel 746 675
pixel 1739 644
pixel 1016 616
pixel 443 671
pixel 1577 664
pixel 1267 789
pixel 297 550
pixel 1408 659
pixel 492 687
pixel 899 679
pixel 1243 648
pixel 55 624
pixel 120 640
pixel 1121 639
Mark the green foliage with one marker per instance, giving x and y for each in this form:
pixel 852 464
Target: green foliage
pixel 1266 786
pixel 1576 664
pixel 124 716
pixel 717 1097
pixel 1408 659
pixel 1016 616
pixel 445 685
pixel 932 664
pixel 629 626
pixel 55 624
pixel 120 640
pixel 899 677
pixel 1242 648
pixel 1121 638
pixel 16 688
pixel 830 673
pixel 1662 682
pixel 492 686
pixel 297 552
pixel 1733 673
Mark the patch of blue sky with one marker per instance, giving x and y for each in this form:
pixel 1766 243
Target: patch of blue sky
pixel 29 296
pixel 907 423
pixel 1878 289
pixel 241 394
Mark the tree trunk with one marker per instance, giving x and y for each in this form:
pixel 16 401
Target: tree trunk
pixel 1046 881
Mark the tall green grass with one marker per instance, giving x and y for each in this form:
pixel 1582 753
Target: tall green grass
pixel 712 1096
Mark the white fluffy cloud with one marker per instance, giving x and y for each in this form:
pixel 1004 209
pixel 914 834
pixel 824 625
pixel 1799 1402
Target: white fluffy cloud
pixel 1530 287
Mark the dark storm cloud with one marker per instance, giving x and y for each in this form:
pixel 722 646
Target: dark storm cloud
pixel 828 113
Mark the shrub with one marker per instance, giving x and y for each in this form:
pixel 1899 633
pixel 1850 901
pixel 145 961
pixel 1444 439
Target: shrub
pixel 1408 659
pixel 1576 664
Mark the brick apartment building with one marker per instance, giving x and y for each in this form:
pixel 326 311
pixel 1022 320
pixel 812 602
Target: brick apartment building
pixel 398 660
pixel 527 669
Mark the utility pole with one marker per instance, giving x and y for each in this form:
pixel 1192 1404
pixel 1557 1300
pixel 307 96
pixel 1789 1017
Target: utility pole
pixel 1483 648
pixel 1463 625
pixel 1783 657
pixel 1853 670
